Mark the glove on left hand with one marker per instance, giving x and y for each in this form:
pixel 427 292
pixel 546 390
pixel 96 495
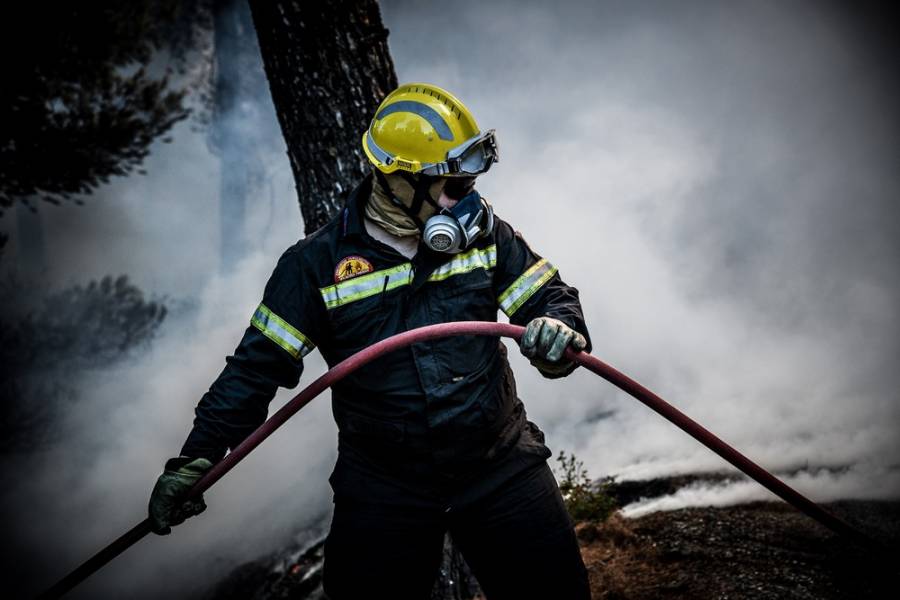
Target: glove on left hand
pixel 544 341
pixel 167 504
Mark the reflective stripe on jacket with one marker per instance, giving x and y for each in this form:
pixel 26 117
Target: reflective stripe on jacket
pixel 446 402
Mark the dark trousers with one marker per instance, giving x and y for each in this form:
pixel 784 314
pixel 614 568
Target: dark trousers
pixel 517 538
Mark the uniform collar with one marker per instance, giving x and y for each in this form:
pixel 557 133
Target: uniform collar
pixel 352 216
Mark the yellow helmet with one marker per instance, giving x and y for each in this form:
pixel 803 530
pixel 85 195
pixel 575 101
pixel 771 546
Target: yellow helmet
pixel 421 128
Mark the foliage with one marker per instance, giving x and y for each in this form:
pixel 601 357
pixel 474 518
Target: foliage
pixel 85 91
pixel 44 350
pixel 585 500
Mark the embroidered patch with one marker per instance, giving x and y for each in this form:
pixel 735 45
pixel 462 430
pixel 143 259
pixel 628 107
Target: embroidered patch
pixel 350 267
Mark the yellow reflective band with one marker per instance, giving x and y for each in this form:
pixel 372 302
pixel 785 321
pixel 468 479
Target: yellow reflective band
pixel 525 286
pixel 366 285
pixel 468 261
pixel 281 332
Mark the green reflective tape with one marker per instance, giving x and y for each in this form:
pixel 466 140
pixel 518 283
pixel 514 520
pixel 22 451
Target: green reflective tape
pixel 366 285
pixel 525 286
pixel 281 332
pixel 468 261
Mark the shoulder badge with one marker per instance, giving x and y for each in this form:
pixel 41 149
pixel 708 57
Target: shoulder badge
pixel 351 266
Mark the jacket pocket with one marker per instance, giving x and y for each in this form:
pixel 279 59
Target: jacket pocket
pixel 497 407
pixel 362 323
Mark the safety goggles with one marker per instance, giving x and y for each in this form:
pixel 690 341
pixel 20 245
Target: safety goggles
pixel 473 157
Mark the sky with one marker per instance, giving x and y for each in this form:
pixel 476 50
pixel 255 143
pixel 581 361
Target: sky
pixel 717 179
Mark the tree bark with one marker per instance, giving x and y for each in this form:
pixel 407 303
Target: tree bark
pixel 328 67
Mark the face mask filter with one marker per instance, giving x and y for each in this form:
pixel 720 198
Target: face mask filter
pixel 453 230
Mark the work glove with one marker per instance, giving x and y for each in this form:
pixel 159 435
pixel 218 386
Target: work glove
pixel 544 341
pixel 167 504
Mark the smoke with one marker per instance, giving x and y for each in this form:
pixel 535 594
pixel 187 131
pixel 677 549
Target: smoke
pixel 829 485
pixel 73 498
pixel 718 180
pixel 67 500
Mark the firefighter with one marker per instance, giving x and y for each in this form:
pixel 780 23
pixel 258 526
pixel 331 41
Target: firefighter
pixel 432 438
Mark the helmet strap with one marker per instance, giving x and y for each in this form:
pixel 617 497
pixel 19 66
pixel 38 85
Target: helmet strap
pixel 421 185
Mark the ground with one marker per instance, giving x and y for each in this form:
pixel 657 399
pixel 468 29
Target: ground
pixel 761 551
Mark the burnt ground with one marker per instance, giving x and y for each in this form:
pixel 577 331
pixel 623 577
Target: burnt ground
pixel 759 551
pixel 762 551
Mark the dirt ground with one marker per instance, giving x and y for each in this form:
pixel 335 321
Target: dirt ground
pixel 761 551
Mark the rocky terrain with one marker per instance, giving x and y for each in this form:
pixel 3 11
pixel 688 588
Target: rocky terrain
pixel 760 551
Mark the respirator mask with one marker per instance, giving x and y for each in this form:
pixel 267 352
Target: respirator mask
pixel 449 230
pixel 454 229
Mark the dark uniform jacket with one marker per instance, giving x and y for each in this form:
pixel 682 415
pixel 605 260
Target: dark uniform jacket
pixel 443 406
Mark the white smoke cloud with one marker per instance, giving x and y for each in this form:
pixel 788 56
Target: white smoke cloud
pixel 722 199
pixel 827 486
pixel 83 492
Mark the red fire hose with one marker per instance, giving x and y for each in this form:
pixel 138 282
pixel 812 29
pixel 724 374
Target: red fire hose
pixel 430 332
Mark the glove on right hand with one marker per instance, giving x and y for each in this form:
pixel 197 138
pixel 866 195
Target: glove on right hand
pixel 545 340
pixel 167 505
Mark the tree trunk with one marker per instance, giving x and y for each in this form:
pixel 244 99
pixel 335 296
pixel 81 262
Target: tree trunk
pixel 328 67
